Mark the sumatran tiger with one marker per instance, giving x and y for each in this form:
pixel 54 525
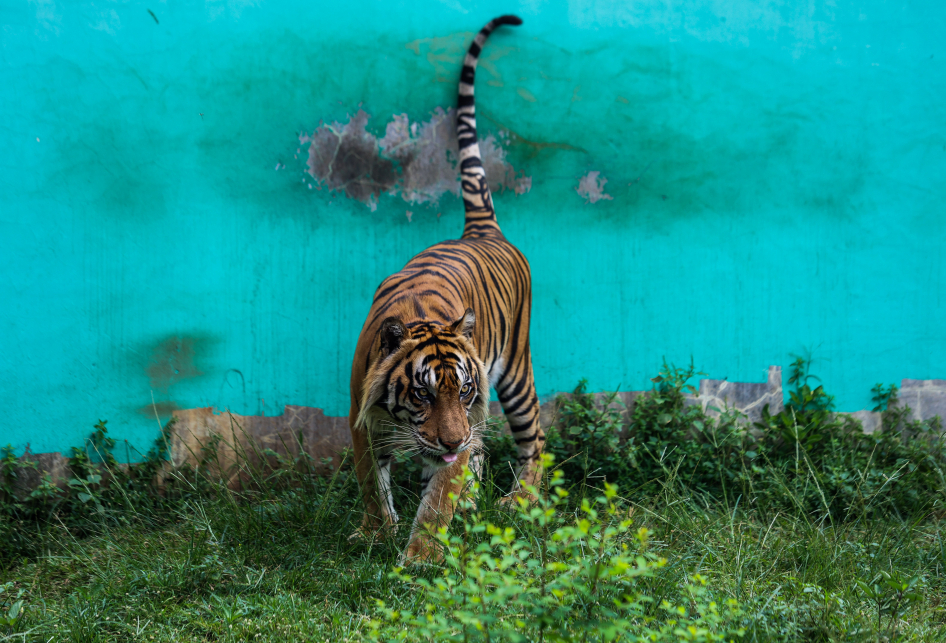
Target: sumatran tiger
pixel 451 323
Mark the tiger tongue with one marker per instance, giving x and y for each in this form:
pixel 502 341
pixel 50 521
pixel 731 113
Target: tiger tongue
pixel 449 457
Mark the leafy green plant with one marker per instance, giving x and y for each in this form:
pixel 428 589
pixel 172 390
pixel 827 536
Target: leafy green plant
pixel 11 467
pixel 806 420
pixel 671 440
pixel 11 607
pixel 586 436
pixel 883 396
pixel 578 581
pixel 893 595
pixel 87 490
pixel 99 488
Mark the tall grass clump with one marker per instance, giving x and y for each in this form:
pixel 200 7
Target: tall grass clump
pixel 806 457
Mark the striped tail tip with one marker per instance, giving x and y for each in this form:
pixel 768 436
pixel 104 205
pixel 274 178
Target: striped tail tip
pixel 515 21
pixel 477 200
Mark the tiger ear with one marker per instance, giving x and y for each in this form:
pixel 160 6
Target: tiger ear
pixel 393 332
pixel 465 324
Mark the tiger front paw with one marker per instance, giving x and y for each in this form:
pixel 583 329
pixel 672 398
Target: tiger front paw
pixel 422 549
pixel 512 502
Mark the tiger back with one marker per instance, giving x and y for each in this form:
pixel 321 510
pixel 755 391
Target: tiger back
pixel 453 322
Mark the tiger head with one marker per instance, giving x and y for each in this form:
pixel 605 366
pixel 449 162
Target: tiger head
pixel 427 391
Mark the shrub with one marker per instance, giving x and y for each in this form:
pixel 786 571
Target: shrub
pixel 825 463
pixel 806 457
pixel 564 577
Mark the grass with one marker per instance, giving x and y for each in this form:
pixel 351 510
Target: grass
pixel 781 555
pixel 280 568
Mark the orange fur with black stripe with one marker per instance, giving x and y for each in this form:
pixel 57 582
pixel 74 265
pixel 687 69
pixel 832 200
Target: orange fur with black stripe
pixel 440 332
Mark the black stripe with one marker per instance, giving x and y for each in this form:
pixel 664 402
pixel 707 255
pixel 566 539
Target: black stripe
pixel 437 341
pixel 398 389
pixel 470 162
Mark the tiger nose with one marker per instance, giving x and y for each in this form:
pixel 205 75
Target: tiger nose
pixel 450 445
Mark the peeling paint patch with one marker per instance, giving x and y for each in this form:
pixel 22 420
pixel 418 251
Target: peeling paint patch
pixel 591 188
pixel 345 157
pixel 416 160
pixel 500 173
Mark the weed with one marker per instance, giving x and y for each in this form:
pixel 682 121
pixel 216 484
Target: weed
pixel 11 608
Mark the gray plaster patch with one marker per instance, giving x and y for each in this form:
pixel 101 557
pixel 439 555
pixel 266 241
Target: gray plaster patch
pixel 416 160
pixel 926 398
pixel 591 188
pixel 870 420
pixel 748 398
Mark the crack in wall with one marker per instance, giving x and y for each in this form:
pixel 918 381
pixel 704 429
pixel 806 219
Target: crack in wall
pixel 417 161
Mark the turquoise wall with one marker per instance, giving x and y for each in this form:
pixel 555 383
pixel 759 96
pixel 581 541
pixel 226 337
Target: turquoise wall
pixel 776 172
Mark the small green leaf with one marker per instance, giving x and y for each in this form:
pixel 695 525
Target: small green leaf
pixel 84 497
pixel 664 418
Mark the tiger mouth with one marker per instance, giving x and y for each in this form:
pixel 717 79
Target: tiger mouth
pixel 447 456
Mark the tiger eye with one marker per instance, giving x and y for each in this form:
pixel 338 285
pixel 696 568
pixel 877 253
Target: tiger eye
pixel 466 389
pixel 421 392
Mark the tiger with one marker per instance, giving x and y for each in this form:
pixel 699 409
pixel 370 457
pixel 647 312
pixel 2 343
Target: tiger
pixel 440 332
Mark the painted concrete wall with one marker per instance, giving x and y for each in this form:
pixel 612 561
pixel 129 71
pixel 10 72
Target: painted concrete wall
pixel 775 178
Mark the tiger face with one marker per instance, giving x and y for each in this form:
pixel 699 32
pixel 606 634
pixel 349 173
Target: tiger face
pixel 427 391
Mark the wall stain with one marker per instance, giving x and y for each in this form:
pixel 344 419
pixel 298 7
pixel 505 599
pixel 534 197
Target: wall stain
pixel 445 54
pixel 174 359
pixel 416 160
pixel 162 409
pixel 518 140
pixel 170 361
